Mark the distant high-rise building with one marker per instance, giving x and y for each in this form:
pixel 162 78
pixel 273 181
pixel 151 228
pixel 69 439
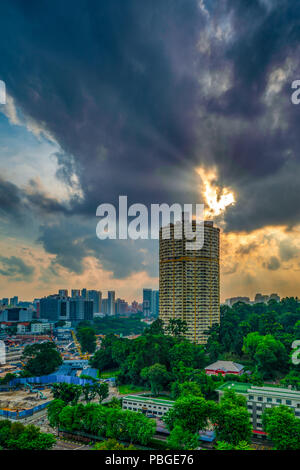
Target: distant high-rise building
pixel 84 293
pixel 96 296
pixel 81 309
pixel 261 298
pixel 111 302
pixel 121 307
pixel 5 301
pixel 16 314
pixel 104 306
pixel 233 300
pixel 147 302
pixel 14 301
pixel 50 308
pixel 63 292
pixel 134 306
pixel 64 308
pixel 275 297
pixel 155 303
pixel 75 293
pixel 189 281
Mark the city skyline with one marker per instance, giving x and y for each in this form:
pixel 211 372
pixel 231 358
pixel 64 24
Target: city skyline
pixel 199 112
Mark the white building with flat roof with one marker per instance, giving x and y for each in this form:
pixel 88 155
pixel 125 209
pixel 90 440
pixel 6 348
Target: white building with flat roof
pixel 147 405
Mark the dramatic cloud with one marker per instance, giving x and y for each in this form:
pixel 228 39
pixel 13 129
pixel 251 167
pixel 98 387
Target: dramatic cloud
pixel 137 95
pixel 273 264
pixel 16 269
pixel 126 90
pixel 287 250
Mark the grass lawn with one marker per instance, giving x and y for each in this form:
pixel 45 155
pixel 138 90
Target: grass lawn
pixel 127 389
pixel 108 373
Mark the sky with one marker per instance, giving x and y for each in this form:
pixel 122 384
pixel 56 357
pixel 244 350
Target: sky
pixel 171 101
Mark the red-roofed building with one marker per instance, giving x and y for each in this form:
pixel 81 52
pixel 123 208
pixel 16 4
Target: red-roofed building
pixel 224 368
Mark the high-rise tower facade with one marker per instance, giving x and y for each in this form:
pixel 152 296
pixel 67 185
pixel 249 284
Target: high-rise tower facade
pixel 189 281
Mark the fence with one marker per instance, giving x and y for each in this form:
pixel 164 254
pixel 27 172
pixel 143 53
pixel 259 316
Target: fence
pixel 49 379
pixel 24 413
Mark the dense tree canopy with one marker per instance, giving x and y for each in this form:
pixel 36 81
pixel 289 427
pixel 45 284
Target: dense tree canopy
pixel 41 358
pixel 105 421
pixel 87 339
pixel 259 334
pixel 16 436
pixel 174 357
pixel 282 427
pixel 232 420
pixel 182 439
pixel 189 412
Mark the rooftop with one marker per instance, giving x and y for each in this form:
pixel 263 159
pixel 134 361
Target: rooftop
pixel 227 366
pixel 238 387
pixel 159 401
pixel 246 388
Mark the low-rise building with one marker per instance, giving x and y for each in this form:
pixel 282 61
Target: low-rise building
pixel 21 328
pixel 40 327
pixel 224 368
pixel 261 398
pixel 147 405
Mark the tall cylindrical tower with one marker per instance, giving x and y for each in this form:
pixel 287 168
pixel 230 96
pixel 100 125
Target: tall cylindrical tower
pixel 189 281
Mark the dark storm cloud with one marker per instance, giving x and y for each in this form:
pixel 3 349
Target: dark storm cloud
pixel 16 203
pixel 273 264
pixel 16 269
pixel 71 241
pixel 114 83
pixel 273 201
pixel 246 249
pixel 136 95
pixel 287 250
pixel 10 200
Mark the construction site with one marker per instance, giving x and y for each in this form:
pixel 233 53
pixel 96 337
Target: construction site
pixel 27 398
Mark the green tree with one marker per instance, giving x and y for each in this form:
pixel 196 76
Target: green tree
pixel 69 393
pixel 186 388
pixel 189 412
pixel 89 392
pixel 20 437
pixel 157 376
pixel 112 444
pixel 177 327
pixel 292 379
pixel 87 339
pixel 269 355
pixel 156 328
pixel 114 403
pixel 102 390
pixel 282 427
pixel 232 420
pixel 53 411
pixel 7 378
pixel 5 426
pixel 102 359
pixel 242 445
pixel 207 383
pixel 41 358
pixel 71 417
pixel 181 439
pixel 187 353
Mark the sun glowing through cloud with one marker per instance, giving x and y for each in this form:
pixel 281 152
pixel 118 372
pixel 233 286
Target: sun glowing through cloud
pixel 216 198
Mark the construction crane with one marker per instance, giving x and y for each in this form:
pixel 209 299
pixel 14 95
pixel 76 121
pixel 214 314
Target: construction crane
pixel 78 346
